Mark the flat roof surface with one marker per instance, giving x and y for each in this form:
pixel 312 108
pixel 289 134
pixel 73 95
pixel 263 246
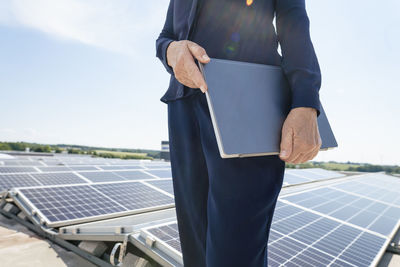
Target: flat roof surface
pixel 21 247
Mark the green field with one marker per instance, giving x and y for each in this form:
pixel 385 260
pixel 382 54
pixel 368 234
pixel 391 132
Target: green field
pixel 348 166
pixel 120 154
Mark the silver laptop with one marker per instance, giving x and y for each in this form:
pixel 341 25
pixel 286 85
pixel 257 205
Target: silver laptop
pixel 248 104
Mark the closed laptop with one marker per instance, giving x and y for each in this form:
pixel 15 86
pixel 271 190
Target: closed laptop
pixel 248 104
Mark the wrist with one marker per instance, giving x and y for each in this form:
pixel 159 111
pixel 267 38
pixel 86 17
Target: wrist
pixel 306 111
pixel 169 53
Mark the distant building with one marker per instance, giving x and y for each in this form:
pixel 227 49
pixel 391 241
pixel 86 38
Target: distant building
pixel 165 150
pixel 165 146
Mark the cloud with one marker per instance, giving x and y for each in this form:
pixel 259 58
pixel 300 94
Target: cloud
pixel 117 25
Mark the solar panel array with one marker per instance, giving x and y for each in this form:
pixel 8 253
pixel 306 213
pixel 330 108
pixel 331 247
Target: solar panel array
pixel 334 225
pixel 91 188
pixel 346 223
pixel 93 170
pixel 19 176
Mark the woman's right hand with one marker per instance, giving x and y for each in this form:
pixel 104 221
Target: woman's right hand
pixel 180 56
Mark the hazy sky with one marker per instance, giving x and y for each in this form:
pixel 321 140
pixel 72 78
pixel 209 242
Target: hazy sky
pixel 85 72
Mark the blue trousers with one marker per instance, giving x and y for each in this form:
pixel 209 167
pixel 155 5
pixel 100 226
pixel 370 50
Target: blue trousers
pixel 224 207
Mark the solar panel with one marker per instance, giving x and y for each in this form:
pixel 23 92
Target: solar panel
pixel 381 188
pixel 102 176
pixel 68 204
pixel 155 167
pixel 16 169
pixel 8 181
pixel 165 185
pixel 299 176
pixel 156 164
pixel 52 163
pixel 290 179
pixel 133 167
pixel 83 168
pixel 305 174
pixel 312 174
pixel 113 168
pixel 133 175
pixel 58 178
pixel 167 234
pixel 21 163
pixel 161 173
pixel 54 169
pixel 134 195
pixel 357 210
pixel 326 173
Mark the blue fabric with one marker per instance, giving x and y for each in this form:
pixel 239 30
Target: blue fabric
pixel 224 207
pixel 228 29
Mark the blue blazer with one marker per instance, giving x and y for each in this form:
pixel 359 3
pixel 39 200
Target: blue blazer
pixel 299 61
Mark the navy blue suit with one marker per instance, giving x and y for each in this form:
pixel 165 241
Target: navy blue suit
pixel 225 207
pixel 298 61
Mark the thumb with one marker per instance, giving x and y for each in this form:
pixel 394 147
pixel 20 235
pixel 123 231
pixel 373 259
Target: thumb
pixel 198 52
pixel 286 143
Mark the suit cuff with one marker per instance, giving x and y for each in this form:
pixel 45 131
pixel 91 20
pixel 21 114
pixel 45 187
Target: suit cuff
pixel 164 48
pixel 306 98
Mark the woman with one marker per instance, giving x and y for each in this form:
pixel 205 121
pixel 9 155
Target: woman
pixel 225 206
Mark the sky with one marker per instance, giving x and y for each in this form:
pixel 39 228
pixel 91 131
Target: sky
pixel 85 72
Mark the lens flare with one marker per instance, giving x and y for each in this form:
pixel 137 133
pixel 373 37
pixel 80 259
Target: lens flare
pixel 249 2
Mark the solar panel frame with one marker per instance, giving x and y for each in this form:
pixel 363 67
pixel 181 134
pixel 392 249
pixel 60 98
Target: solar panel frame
pixel 161 244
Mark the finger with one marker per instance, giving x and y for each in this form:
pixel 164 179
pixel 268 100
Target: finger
pixel 286 146
pixel 313 155
pixel 198 52
pixel 306 157
pixel 295 151
pixel 196 76
pixel 298 158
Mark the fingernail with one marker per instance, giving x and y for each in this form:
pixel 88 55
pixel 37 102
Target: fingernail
pixel 283 153
pixel 205 57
